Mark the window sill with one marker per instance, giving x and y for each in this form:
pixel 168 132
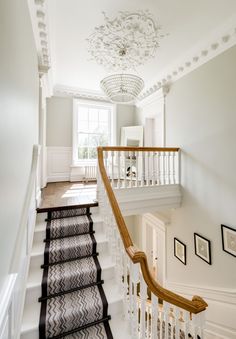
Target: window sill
pixel 83 163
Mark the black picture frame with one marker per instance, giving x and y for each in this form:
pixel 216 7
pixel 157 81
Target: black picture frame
pixel 225 246
pixel 184 257
pixel 207 249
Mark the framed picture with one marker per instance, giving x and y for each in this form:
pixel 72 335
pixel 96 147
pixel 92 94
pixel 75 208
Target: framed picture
pixel 202 248
pixel 180 250
pixel 229 239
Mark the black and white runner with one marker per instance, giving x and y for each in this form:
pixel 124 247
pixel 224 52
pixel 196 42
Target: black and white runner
pixel 73 302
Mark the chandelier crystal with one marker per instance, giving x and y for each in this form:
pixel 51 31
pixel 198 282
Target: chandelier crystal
pixel 122 44
pixel 122 88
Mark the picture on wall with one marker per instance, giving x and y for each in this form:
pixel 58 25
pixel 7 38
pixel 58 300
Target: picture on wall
pixel 180 250
pixel 229 239
pixel 202 248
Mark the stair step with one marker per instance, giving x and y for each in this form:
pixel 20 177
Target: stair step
pixel 33 291
pixel 40 228
pixel 37 253
pixel 32 310
pixel 93 331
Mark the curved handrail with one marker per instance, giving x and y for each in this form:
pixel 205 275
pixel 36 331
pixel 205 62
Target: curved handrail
pixel 197 304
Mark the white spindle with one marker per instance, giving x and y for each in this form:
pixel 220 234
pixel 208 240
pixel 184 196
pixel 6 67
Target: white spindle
pixel 173 167
pixel 112 168
pixel 147 171
pixel 130 169
pixel 125 171
pixel 143 169
pixel 186 317
pixel 153 169
pixel 168 168
pixel 154 316
pixel 176 314
pixel 136 156
pixel 125 284
pixel 143 298
pixel 118 169
pixel 159 168
pixel 166 308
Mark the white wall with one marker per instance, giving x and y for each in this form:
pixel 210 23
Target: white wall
pixel 151 115
pixel 59 121
pixel 19 119
pixel 201 120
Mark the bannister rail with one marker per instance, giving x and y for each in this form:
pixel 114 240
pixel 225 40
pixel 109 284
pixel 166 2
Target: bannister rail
pixel 194 306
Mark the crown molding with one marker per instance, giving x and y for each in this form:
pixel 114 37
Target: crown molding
pixel 155 96
pixel 39 17
pixel 214 44
pixel 66 91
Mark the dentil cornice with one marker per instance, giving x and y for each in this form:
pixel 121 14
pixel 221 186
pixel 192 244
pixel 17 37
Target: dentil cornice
pixel 213 45
pixel 39 18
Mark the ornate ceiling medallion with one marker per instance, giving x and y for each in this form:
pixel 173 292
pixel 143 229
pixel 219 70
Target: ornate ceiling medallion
pixel 125 42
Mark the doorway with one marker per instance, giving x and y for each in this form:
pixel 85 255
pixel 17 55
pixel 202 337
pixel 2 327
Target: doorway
pixel 154 245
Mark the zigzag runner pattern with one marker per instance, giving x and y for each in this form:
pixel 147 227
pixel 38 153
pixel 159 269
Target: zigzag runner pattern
pixel 73 302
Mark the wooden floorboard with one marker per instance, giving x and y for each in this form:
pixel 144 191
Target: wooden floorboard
pixel 65 195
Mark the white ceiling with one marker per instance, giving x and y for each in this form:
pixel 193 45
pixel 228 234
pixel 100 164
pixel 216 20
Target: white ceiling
pixel 188 22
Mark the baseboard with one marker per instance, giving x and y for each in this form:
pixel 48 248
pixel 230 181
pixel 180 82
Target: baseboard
pixel 57 178
pixel 221 311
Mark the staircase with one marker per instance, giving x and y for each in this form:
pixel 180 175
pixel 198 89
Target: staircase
pixel 71 288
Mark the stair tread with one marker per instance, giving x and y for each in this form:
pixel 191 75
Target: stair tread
pixel 32 310
pixel 35 274
pixel 41 224
pixel 64 315
pixel 96 332
pixel 39 247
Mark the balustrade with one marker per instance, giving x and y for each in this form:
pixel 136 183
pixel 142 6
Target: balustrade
pixel 153 312
pixel 139 167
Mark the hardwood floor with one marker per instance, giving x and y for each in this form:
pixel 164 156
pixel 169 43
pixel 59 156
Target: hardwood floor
pixel 65 194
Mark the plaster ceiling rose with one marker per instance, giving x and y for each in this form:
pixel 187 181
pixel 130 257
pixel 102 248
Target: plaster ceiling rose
pixel 120 45
pixel 125 42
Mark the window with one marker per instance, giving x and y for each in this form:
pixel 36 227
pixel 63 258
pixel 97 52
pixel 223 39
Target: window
pixel 93 127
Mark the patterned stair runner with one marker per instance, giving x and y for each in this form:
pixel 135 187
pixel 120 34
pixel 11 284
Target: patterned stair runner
pixel 73 302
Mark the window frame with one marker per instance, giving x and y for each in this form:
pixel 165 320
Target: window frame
pixel 112 124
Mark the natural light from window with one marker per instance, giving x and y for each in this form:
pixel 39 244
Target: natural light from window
pixel 92 128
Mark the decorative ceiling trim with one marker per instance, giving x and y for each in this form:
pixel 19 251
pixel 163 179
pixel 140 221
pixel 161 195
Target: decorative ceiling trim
pixel 216 44
pixel 39 18
pixel 66 91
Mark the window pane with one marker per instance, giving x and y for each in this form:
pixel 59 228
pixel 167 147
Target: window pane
pixel 94 140
pixel 83 126
pixel 103 140
pixel 93 153
pixel 82 113
pixel 83 153
pixel 93 114
pixel 83 140
pixel 93 127
pixel 103 115
pixel 103 128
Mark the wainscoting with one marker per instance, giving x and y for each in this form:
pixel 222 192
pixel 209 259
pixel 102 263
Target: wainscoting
pixel 221 311
pixel 59 161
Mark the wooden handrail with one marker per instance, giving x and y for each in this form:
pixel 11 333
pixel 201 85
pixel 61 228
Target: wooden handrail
pixel 197 304
pixel 140 149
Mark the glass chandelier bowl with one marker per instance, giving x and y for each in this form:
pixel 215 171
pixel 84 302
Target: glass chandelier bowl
pixel 122 88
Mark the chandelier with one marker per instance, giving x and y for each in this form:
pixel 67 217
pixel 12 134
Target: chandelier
pixel 121 45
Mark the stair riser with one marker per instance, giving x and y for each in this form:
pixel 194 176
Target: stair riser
pixel 39 236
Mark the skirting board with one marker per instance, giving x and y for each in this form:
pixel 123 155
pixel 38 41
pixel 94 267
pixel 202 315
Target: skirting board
pixel 221 311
